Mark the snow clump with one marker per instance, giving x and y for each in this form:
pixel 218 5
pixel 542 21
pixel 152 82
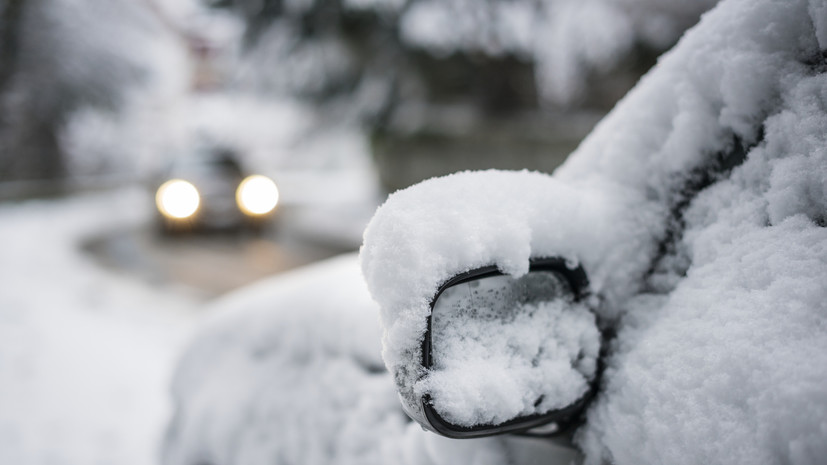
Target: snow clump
pixel 494 363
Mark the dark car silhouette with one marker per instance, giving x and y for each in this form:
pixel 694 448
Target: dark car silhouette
pixel 209 190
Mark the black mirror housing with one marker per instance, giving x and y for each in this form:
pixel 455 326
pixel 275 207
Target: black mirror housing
pixel 574 283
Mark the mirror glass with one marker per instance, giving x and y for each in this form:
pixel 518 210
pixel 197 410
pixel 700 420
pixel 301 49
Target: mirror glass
pixel 503 348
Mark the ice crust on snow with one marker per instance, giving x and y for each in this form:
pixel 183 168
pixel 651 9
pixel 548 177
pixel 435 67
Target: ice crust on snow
pixel 494 359
pixel 720 311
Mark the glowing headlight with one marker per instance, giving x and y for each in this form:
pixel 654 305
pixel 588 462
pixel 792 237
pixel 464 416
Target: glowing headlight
pixel 177 199
pixel 257 195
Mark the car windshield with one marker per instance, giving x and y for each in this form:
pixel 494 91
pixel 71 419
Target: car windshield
pixel 208 163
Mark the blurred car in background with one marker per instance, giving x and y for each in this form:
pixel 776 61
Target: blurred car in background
pixel 209 190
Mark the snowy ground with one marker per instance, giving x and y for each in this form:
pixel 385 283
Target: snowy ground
pixel 85 355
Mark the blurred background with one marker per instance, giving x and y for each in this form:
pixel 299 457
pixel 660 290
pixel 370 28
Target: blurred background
pixel 284 123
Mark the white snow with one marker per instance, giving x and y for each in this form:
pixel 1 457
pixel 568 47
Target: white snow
pixel 288 371
pixel 496 358
pixel 85 355
pixel 735 354
pixel 720 352
pixel 288 368
pixel 424 235
pixel 721 337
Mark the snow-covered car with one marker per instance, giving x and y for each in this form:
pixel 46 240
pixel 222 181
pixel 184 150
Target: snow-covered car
pixel 696 210
pixel 210 190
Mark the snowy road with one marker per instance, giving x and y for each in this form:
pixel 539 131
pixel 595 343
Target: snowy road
pixel 208 265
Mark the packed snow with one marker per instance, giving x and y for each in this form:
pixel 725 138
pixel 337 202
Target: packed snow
pixel 497 356
pixel 85 355
pixel 711 269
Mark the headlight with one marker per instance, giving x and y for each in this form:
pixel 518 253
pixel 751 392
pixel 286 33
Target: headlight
pixel 257 195
pixel 177 199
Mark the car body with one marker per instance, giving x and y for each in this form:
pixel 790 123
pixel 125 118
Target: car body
pixel 209 190
pixel 697 210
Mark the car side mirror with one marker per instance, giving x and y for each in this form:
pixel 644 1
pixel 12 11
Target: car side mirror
pixel 509 355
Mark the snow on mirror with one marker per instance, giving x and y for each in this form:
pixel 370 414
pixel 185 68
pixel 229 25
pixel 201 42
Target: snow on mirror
pixel 509 354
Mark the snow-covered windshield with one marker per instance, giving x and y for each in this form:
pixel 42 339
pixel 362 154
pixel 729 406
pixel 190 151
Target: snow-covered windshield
pixel 492 334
